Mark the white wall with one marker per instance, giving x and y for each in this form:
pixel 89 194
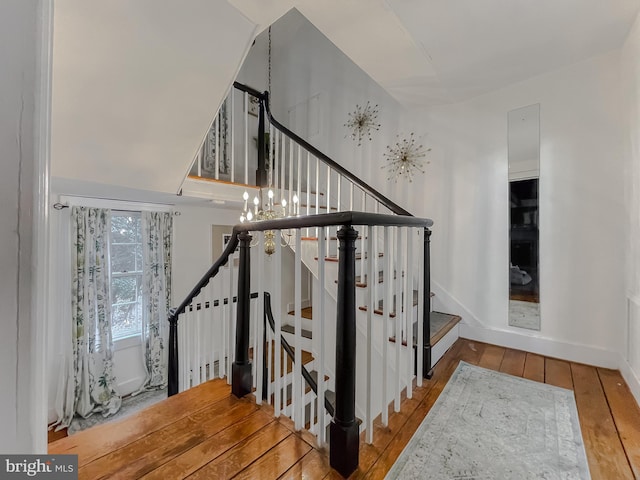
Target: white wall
pixel 137 85
pixel 20 24
pixel 631 91
pixel 581 208
pixel 306 64
pixel 192 245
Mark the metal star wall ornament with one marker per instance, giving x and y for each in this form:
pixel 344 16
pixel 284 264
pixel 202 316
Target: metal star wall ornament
pixel 405 158
pixel 362 121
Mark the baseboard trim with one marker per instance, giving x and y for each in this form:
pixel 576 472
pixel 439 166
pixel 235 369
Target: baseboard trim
pixel 573 352
pixel 631 378
pixel 473 328
pixel 130 386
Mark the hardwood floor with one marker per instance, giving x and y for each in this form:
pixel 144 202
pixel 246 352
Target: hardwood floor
pixel 207 433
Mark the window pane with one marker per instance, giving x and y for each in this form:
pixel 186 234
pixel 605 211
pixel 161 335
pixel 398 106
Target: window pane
pixel 125 319
pixel 124 289
pixel 126 257
pixel 123 258
pixel 124 228
pixel 139 257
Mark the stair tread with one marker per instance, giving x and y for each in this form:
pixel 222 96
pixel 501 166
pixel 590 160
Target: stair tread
pixel 306 312
pixel 392 314
pixel 292 330
pixel 441 323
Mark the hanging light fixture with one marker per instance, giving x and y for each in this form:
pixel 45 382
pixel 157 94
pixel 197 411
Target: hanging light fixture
pixel 270 212
pixel 362 122
pixel 405 158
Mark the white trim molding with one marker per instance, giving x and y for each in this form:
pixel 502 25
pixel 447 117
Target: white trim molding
pixel 631 378
pixel 573 352
pixel 38 420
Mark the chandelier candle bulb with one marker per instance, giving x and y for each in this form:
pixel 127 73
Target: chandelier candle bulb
pixel 296 206
pixel 245 197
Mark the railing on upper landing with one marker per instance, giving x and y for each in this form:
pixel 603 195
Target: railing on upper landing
pixel 212 334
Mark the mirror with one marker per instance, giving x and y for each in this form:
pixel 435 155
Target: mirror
pixel 523 126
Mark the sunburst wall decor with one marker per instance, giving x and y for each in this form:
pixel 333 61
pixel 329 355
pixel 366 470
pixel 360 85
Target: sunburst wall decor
pixel 362 121
pixel 405 158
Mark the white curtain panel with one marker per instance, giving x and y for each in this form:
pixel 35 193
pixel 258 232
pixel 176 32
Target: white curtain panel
pixel 91 364
pixel 157 230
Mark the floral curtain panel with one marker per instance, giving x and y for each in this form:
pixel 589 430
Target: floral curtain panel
pixel 217 145
pixel 95 386
pixel 156 293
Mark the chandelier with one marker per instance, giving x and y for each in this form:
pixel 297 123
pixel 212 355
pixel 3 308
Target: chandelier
pixel 405 158
pixel 271 211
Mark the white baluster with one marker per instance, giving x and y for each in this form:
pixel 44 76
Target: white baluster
pixel 328 203
pixel 298 382
pixel 276 163
pixel 408 310
pixel 221 324
pixel 232 144
pixel 283 162
pixel 351 196
pixel 290 183
pixel 182 361
pixel 370 315
pixel 298 193
pixel 318 325
pixel 277 313
pixel 339 188
pixel 308 185
pixel 317 186
pixel 387 278
pixel 216 129
pixel 420 342
pixel 398 316
pixel 258 357
pixel 245 116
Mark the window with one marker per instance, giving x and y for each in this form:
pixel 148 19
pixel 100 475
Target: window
pixel 126 274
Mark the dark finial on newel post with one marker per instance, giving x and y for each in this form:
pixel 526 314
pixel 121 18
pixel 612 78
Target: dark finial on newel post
pixel 241 380
pixel 345 430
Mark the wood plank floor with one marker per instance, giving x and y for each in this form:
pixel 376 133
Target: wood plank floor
pixel 207 433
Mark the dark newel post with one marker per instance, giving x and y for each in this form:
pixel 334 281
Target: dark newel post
pixel 241 369
pixel 261 179
pixel 427 372
pixel 172 387
pixel 265 359
pixel 344 429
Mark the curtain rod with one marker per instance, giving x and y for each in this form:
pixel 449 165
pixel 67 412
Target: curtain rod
pixel 66 201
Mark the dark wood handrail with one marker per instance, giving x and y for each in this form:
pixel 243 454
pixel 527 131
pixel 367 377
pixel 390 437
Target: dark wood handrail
pixel 264 98
pixel 334 219
pixel 212 272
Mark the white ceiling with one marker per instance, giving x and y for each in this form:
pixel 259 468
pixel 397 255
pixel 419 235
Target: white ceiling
pixel 426 52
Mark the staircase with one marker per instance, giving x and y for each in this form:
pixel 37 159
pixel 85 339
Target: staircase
pixel 355 346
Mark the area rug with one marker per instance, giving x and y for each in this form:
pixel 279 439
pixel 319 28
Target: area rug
pixel 489 425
